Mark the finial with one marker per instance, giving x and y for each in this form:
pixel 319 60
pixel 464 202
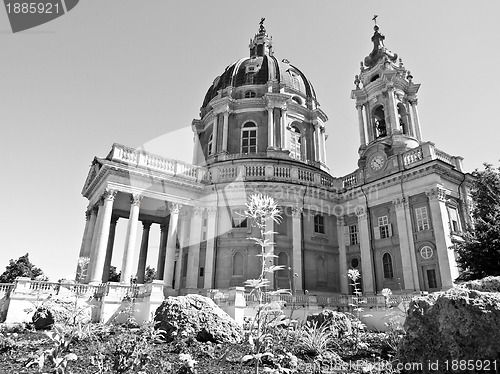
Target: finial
pixel 374 19
pixel 409 77
pixel 400 62
pixel 262 29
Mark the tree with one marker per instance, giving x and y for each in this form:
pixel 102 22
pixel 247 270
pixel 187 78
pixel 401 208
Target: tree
pixel 479 253
pixel 22 267
pixel 113 275
pixel 150 275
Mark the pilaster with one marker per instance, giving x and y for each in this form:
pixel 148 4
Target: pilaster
pixel 143 252
pixel 162 251
pixel 441 226
pixel 209 255
pixel 406 244
pixel 344 282
pixel 168 273
pixel 297 248
pixel 194 248
pixel 109 249
pixel 365 248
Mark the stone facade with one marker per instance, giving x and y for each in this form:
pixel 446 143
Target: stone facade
pixel 261 131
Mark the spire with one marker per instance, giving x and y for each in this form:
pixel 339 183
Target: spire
pixel 261 44
pixel 379 49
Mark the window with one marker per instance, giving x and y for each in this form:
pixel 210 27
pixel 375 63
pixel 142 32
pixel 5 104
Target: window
pixel 239 219
pixel 210 147
pixel 321 269
pixel 454 221
pixel 422 218
pixel 202 272
pixel 283 260
pixel 387 264
pixel 319 224
pixel 297 100
pixel 431 278
pixel 384 229
pixel 295 143
pixel 354 263
pixel 353 234
pixel 184 264
pixel 249 94
pixel 426 252
pixel 249 138
pixel 238 264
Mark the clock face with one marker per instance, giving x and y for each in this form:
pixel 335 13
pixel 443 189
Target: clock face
pixel 377 162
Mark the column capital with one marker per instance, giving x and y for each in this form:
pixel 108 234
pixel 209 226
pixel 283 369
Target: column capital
pixel 146 225
pixel 437 193
pixel 88 213
pixel 359 106
pixel 211 210
pixel 413 101
pixel 297 211
pixel 198 210
pixel 95 208
pixel 109 195
pixel 135 199
pixel 174 208
pixel 361 212
pixel 400 202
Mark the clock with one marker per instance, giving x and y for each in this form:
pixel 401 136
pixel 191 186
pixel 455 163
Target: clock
pixel 377 162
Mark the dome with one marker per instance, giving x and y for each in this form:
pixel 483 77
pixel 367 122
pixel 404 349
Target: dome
pixel 258 69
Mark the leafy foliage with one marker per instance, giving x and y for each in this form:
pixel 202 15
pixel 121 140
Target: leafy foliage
pixel 479 253
pixel 113 275
pixel 22 267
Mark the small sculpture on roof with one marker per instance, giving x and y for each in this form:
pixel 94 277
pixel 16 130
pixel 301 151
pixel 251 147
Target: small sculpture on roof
pixel 262 29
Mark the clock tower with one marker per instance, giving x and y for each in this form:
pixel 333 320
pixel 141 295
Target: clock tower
pixel 386 100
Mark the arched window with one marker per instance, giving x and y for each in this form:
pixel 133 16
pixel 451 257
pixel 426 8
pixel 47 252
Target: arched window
pixel 249 94
pixel 321 269
pixel 387 264
pixel 297 99
pixel 283 260
pixel 210 147
pixel 295 143
pixel 379 124
pixel 249 138
pixel 238 264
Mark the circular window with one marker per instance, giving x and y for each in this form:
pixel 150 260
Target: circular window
pixel 354 263
pixel 426 252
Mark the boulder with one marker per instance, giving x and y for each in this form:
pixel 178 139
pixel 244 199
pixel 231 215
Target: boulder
pixel 198 317
pixel 459 324
pixel 338 320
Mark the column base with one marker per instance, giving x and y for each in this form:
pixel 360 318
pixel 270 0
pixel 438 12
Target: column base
pixel 196 291
pixel 169 291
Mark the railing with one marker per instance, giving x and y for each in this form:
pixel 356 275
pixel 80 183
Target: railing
pixel 255 170
pixel 350 180
pixel 443 156
pixel 5 287
pixel 413 156
pixel 306 175
pixel 282 172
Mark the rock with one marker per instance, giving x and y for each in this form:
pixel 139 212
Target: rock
pixel 340 321
pixel 459 324
pixel 198 317
pixel 43 319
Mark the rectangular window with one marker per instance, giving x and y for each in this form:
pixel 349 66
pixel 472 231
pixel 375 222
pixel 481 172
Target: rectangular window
pixel 239 219
pixel 319 224
pixel 422 218
pixel 249 141
pixel 431 278
pixel 353 234
pixel 202 272
pixel 384 228
pixel 454 221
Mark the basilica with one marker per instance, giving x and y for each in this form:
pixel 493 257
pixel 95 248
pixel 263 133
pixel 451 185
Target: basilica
pixel 261 130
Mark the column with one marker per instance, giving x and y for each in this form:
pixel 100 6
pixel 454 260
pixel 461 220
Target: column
pixel 406 245
pixel 102 235
pixel 393 112
pixel 284 131
pixel 316 142
pixel 194 248
pixel 224 131
pixel 297 248
pixel 270 249
pixel 183 249
pixel 270 128
pixel 209 256
pixel 109 249
pixel 369 126
pixel 365 248
pixel 214 135
pixel 85 273
pixel 162 251
pixel 362 135
pixel 143 252
pixel 323 146
pixel 197 148
pixel 79 269
pixel 128 254
pixel 168 273
pixel 415 119
pixel 441 227
pixel 344 281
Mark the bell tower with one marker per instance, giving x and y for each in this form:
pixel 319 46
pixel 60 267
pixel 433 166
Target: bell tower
pixel 386 101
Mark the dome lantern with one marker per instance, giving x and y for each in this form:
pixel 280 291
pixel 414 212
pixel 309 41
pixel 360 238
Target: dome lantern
pixel 261 44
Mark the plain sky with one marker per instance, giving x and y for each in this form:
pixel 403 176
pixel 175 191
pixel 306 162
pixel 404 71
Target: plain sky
pixel 135 72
